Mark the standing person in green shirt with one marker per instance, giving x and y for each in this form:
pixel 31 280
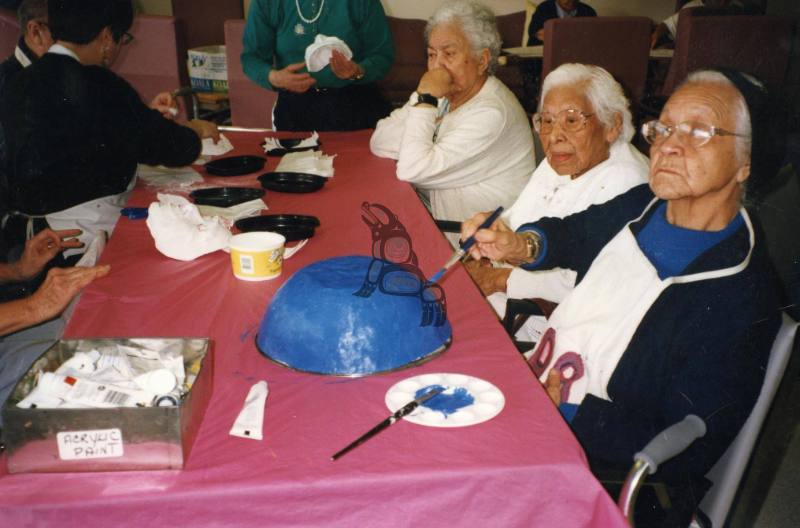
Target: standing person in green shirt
pixel 341 96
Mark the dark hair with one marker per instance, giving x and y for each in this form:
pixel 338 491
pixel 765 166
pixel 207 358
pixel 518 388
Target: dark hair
pixel 80 21
pixel 31 10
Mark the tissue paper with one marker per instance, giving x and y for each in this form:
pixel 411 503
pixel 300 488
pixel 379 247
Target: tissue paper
pixel 318 54
pixel 181 232
pixel 308 162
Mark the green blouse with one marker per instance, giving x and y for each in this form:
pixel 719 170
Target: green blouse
pixel 276 36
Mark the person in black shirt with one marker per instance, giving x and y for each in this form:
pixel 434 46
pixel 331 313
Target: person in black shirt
pixel 76 131
pixel 555 9
pixel 34 41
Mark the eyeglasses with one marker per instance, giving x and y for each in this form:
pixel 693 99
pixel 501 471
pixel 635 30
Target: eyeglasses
pixel 692 134
pixel 126 38
pixel 570 120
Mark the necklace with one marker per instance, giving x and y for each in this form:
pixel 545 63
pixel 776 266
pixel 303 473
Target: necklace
pixel 304 19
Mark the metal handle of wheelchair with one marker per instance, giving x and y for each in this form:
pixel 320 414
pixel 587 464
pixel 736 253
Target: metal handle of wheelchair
pixel 668 443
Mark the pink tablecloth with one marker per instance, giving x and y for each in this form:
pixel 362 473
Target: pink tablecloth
pixel 522 468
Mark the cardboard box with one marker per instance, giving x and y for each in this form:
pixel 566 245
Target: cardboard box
pixel 115 439
pixel 208 69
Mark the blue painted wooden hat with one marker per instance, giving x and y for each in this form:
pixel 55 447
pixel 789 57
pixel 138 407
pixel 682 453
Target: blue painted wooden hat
pixel 353 316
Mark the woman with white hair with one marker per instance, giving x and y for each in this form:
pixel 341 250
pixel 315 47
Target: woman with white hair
pixel 585 126
pixel 462 139
pixel 677 305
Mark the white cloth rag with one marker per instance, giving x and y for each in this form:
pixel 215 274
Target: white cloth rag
pixel 167 178
pixel 308 162
pixel 235 212
pixel 318 53
pixel 223 146
pixel 181 232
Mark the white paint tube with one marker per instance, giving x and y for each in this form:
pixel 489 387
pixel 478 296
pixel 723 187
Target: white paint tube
pixel 250 422
pixel 99 394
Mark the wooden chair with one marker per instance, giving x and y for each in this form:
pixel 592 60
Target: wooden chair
pixel 251 105
pixel 410 59
pixel 9 32
pixel 201 20
pixel 510 72
pixel 621 45
pixel 154 61
pixel 758 45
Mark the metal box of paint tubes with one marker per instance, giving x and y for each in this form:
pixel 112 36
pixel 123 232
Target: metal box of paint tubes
pixel 108 439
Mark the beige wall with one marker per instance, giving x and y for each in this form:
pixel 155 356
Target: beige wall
pixel 153 7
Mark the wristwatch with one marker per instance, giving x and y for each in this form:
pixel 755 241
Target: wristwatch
pixel 424 98
pixel 533 242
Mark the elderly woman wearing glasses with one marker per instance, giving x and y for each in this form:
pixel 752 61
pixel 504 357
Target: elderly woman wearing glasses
pixel 76 131
pixel 676 305
pixel 463 139
pixel 585 126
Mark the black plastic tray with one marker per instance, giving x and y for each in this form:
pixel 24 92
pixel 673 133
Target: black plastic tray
pixel 225 196
pixel 291 182
pixel 293 227
pixel 290 145
pixel 235 165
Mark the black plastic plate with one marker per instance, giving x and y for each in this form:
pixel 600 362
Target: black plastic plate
pixel 291 182
pixel 293 227
pixel 225 196
pixel 235 165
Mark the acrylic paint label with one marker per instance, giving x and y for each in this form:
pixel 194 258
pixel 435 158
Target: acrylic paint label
pixel 98 443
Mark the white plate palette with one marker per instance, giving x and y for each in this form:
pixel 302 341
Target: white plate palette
pixel 466 400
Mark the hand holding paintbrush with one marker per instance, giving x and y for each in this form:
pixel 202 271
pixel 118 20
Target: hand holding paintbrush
pixel 465 246
pixel 495 241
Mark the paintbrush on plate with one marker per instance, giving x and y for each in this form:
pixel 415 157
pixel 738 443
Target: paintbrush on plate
pixel 405 410
pixel 464 246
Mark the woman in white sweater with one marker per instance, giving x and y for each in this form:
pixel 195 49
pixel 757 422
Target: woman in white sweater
pixel 462 139
pixel 586 128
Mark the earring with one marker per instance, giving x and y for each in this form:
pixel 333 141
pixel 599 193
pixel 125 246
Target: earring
pixel 104 56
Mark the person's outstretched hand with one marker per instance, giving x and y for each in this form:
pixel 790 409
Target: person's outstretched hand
pixel 40 249
pixel 204 129
pixel 288 78
pixel 59 288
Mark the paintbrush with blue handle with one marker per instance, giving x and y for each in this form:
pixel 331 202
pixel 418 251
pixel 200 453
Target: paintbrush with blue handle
pixel 464 246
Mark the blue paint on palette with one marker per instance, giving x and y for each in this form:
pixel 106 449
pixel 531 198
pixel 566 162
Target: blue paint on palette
pixel 447 402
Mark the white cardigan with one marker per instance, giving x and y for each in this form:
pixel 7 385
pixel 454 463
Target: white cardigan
pixel 550 194
pixel 479 157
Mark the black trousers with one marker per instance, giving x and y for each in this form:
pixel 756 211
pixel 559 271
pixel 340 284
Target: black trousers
pixel 354 107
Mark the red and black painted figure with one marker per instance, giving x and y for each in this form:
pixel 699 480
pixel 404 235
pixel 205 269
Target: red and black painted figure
pixel 394 269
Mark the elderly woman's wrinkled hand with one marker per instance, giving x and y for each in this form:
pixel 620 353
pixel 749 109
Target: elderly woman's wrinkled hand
pixel 289 79
pixel 342 67
pixel 59 288
pixel 553 386
pixel 500 244
pixel 469 226
pixel 40 249
pixel 488 278
pixel 438 82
